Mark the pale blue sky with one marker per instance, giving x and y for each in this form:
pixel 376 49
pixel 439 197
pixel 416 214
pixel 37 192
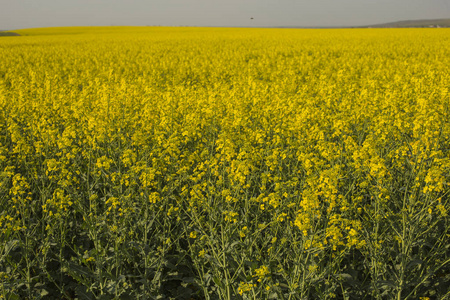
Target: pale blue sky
pixel 17 14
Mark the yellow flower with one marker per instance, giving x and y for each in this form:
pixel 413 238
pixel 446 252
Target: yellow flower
pixel 201 253
pixel 245 287
pixel 261 272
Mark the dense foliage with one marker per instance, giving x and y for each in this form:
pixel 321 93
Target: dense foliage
pixel 195 163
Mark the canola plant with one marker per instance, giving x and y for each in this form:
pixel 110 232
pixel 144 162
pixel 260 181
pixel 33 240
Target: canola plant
pixel 224 163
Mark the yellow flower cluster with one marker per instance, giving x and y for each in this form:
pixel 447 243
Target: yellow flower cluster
pixel 261 273
pixel 245 287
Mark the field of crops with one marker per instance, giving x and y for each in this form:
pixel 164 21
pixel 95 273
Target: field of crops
pixel 218 163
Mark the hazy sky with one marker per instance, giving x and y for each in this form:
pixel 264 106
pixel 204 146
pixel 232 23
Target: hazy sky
pixel 17 14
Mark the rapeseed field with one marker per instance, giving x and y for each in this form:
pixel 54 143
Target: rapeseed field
pixel 224 163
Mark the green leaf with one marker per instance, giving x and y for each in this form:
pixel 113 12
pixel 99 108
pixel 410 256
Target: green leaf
pixel 80 273
pixel 386 283
pixel 12 297
pixel 83 294
pixel 344 276
pixel 11 245
pixel 414 263
pixel 126 297
pixel 189 279
pixel 217 282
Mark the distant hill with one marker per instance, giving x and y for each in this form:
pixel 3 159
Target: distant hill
pixel 414 23
pixel 8 33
